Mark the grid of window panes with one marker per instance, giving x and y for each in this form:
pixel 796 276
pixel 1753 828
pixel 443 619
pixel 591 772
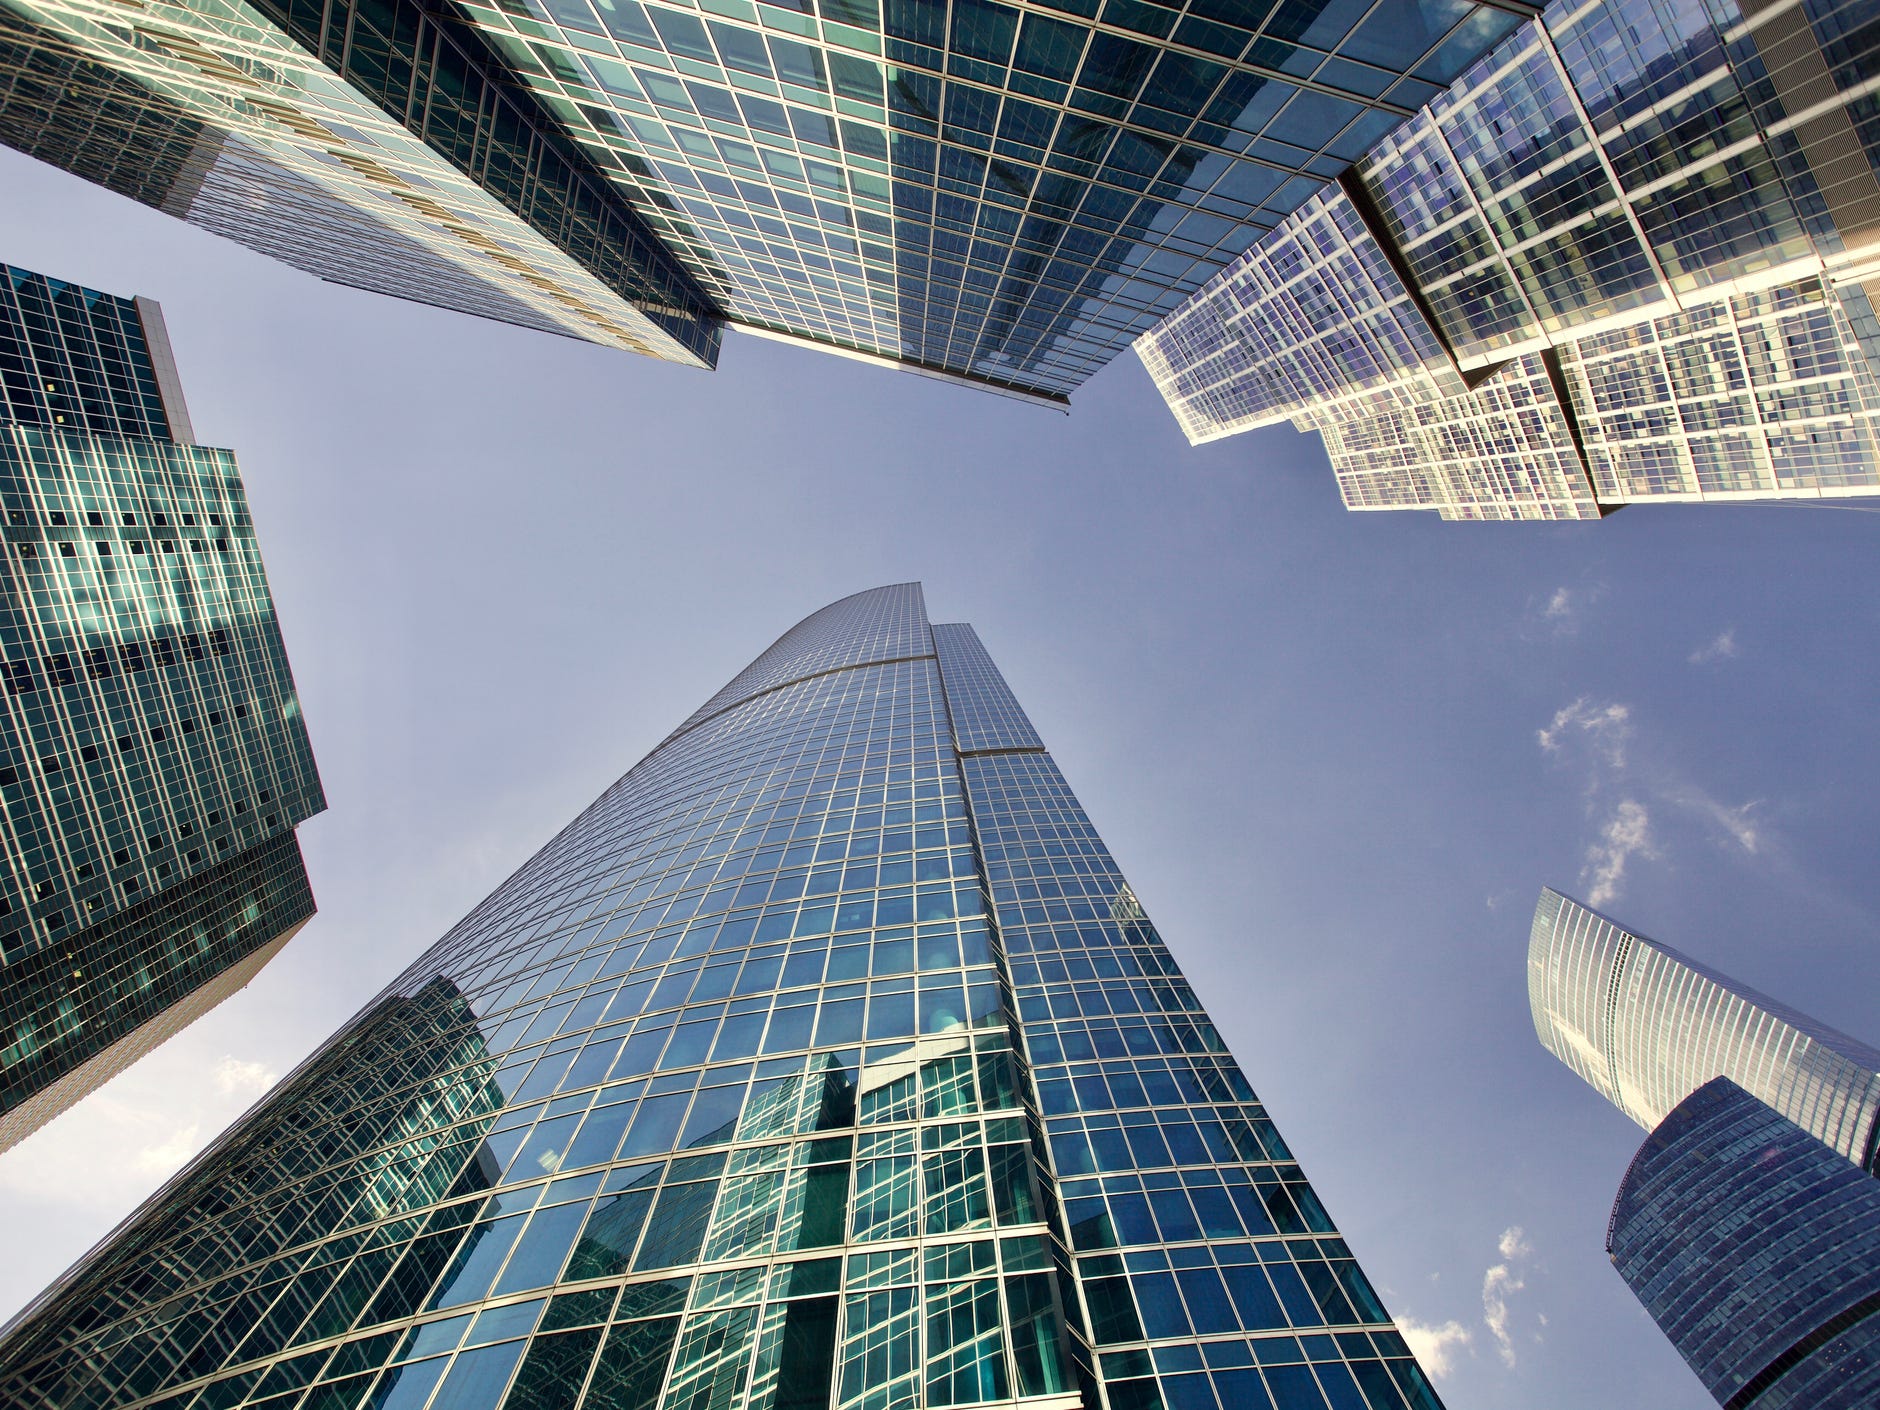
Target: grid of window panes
pixel 151 726
pixel 1765 393
pixel 74 357
pixel 74 1014
pixel 483 210
pixel 1756 1249
pixel 1502 451
pixel 755 1065
pixel 1211 1275
pixel 985 714
pixel 1011 192
pixel 1603 166
pixel 80 116
pixel 1308 315
pixel 1645 1026
pixel 1611 156
pixel 885 624
pixel 722 1102
pixel 62 107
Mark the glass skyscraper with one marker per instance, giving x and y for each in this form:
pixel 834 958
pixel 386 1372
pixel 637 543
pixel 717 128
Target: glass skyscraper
pixel 1749 1221
pixel 825 1062
pixel 153 763
pixel 1005 193
pixel 1757 1250
pixel 1628 256
pixel 1645 1027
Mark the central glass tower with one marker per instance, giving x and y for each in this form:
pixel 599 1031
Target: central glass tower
pixel 827 1060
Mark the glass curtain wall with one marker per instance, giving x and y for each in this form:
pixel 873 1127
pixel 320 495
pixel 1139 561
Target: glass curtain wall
pixel 825 1061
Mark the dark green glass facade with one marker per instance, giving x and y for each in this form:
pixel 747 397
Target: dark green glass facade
pixel 826 1062
pixel 153 764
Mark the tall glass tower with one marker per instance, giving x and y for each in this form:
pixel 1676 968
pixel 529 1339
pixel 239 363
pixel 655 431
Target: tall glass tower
pixel 826 1060
pixel 153 763
pixel 1000 193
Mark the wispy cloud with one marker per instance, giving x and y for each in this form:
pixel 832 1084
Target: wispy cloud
pixel 1719 648
pixel 1736 825
pixel 104 1153
pixel 1435 1346
pixel 1560 615
pixel 1500 1283
pixel 1607 729
pixel 168 1156
pixel 1631 801
pixel 1625 835
pixel 233 1077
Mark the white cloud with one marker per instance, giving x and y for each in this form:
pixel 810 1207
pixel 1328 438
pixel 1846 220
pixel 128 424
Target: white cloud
pixel 1435 1346
pixel 233 1077
pixel 1720 648
pixel 1560 614
pixel 168 1156
pixel 1627 834
pixel 1604 728
pixel 98 1158
pixel 1499 1284
pixel 1736 824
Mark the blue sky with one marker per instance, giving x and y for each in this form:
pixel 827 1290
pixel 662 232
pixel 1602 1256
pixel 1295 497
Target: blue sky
pixel 1336 754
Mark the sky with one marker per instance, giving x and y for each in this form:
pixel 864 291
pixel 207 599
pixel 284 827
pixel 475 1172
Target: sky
pixel 1336 754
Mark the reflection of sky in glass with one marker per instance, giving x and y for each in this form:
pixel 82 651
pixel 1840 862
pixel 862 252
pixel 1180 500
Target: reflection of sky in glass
pixel 994 190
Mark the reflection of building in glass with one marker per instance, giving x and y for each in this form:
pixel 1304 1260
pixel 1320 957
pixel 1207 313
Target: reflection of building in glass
pixel 1629 255
pixel 153 764
pixel 1005 193
pixel 1645 1027
pixel 1757 1250
pixel 816 1092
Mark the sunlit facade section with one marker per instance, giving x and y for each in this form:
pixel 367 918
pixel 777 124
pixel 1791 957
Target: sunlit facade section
pixel 825 1062
pixel 1756 1250
pixel 153 762
pixel 1677 211
pixel 1645 1027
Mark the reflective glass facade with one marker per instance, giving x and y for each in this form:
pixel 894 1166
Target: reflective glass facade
pixel 826 1060
pixel 217 113
pixel 1757 1250
pixel 1675 207
pixel 1006 193
pixel 1645 1027
pixel 153 764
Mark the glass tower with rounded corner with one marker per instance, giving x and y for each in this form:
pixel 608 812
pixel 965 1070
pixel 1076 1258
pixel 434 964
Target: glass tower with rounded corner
pixel 826 1062
pixel 1756 1249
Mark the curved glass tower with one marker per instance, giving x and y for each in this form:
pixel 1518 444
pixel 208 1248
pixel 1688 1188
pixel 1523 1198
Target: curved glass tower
pixel 826 1062
pixel 1646 1026
pixel 1757 1250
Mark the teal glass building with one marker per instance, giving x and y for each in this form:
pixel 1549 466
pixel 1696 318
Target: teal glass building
pixel 825 1061
pixel 1001 193
pixel 153 763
